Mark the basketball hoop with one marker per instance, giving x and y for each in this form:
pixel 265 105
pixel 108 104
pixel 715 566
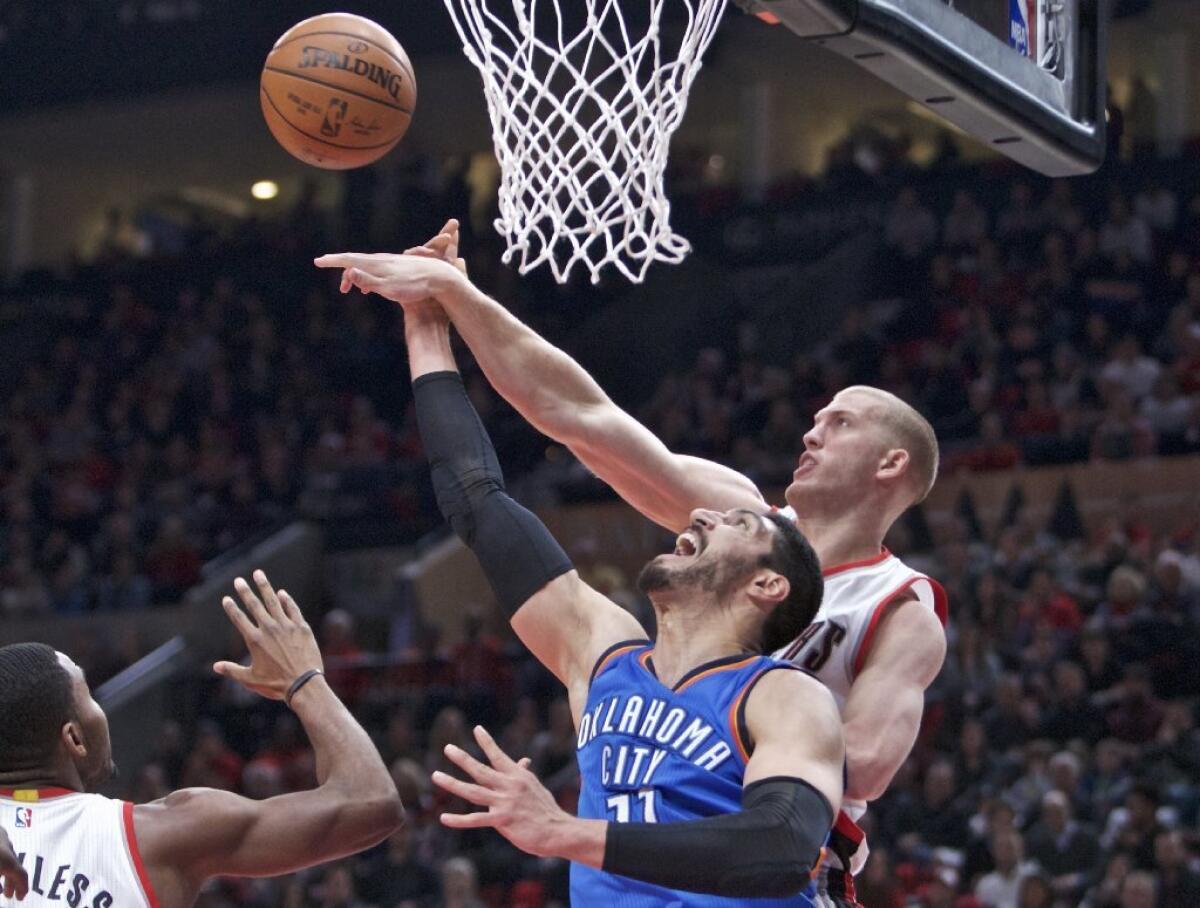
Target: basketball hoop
pixel 582 118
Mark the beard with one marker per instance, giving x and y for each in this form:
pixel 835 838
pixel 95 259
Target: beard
pixel 718 577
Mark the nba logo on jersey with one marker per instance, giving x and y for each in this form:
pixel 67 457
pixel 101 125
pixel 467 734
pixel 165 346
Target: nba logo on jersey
pixel 1022 33
pixel 24 817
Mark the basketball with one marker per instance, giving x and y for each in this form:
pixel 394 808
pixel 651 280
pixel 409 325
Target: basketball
pixel 338 91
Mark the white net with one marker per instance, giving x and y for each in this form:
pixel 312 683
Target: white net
pixel 583 103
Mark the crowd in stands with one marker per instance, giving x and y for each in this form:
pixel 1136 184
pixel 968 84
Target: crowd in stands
pixel 184 407
pixel 180 411
pixel 1049 329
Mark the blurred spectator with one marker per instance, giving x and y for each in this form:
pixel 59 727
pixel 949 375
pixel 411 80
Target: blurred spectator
pixel 911 227
pixel 1139 890
pixel 1001 887
pixel 339 645
pixel 460 888
pixel 1064 849
pixel 338 888
pixel 394 875
pixel 1125 232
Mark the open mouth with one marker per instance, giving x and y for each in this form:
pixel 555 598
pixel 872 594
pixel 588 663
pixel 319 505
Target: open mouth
pixel 687 544
pixel 806 464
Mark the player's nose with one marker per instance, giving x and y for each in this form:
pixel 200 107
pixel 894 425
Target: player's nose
pixel 812 438
pixel 705 518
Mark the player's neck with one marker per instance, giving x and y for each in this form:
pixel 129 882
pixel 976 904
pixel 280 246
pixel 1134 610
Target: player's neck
pixel 689 637
pixel 844 539
pixel 40 778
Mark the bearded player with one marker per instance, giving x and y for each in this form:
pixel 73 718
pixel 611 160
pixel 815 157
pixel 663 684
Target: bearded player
pixel 83 850
pixel 877 641
pixel 698 788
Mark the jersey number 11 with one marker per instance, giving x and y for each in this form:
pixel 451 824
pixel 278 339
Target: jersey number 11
pixel 621 807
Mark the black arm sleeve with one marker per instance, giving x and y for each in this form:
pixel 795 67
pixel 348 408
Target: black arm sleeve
pixel 767 850
pixel 516 551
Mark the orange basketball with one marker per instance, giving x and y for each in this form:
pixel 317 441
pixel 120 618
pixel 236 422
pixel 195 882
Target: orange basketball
pixel 338 91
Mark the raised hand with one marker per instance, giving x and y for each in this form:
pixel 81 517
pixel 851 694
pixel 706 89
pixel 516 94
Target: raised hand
pixel 14 881
pixel 282 646
pixel 517 805
pixel 411 279
pixel 444 246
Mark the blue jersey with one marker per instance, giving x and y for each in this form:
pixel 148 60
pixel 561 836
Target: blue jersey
pixel 649 753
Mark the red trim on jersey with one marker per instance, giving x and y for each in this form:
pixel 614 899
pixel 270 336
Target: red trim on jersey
pixel 40 794
pixel 883 555
pixel 849 828
pixel 939 607
pixel 138 865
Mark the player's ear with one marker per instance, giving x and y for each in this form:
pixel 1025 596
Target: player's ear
pixel 769 587
pixel 893 464
pixel 72 738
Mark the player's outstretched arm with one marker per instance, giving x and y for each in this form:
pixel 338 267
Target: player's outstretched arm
pixel 552 391
pixel 883 710
pixel 195 834
pixel 793 788
pixel 14 881
pixel 565 623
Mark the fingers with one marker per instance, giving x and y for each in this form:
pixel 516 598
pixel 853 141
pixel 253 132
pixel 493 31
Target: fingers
pixel 356 277
pixel 525 762
pixel 485 775
pixel 253 605
pixel 497 757
pixel 238 619
pixel 233 671
pixel 350 259
pixel 270 600
pixel 476 794
pixel 468 820
pixel 290 608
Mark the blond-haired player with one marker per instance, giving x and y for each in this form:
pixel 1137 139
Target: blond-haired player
pixel 877 641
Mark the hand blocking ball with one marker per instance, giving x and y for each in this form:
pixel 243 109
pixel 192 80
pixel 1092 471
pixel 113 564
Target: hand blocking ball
pixel 338 91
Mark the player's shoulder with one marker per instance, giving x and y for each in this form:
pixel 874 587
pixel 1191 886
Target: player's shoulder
pixel 187 803
pixel 789 698
pixel 784 685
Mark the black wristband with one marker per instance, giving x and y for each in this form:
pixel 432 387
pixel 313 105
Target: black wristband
pixel 299 683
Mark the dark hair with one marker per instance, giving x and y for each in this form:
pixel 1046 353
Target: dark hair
pixel 35 703
pixel 794 558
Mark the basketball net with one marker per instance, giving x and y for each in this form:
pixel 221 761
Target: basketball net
pixel 582 119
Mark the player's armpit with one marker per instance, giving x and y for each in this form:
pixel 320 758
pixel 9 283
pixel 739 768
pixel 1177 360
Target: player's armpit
pixel 568 625
pixel 197 833
pixel 795 731
pixel 883 711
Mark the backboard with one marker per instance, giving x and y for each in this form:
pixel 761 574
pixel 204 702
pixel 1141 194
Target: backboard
pixel 1026 77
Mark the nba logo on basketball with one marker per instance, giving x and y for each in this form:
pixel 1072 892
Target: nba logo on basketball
pixel 334 116
pixel 24 817
pixel 1022 34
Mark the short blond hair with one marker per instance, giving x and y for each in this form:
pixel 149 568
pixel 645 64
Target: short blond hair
pixel 907 429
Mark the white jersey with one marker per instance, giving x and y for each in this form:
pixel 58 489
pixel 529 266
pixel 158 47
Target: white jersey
pixel 835 645
pixel 79 850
